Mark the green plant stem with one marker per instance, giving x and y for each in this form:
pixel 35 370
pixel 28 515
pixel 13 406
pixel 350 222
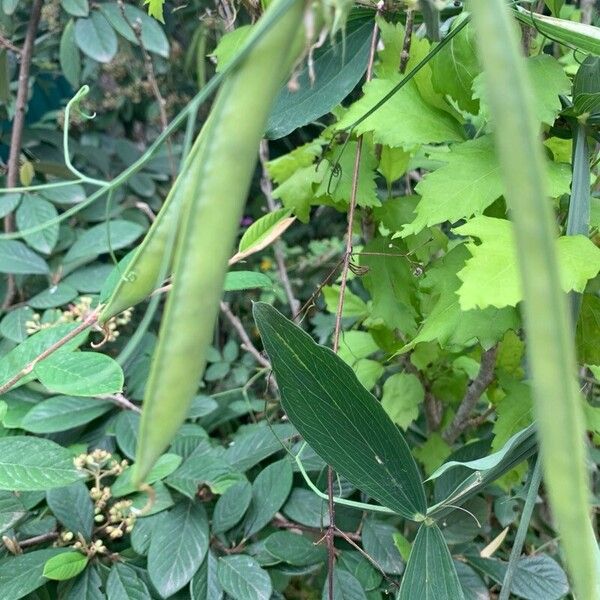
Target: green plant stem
pixel 515 553
pixel 550 345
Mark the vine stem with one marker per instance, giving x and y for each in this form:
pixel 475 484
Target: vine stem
pixel 16 137
pixel 331 529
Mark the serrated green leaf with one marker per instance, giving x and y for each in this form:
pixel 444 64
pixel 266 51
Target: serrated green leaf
pixel 65 566
pixel 80 374
pixel 421 123
pixel 31 464
pixel 178 547
pixel 430 572
pixel 243 579
pixel 320 394
pixel 491 277
pixel 468 183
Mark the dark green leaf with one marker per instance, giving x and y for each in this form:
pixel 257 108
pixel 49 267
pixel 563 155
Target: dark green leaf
pixel 430 572
pixel 473 586
pixel 178 547
pixel 34 211
pixel 205 584
pixel 338 67
pixel 96 38
pixel 16 257
pixel 126 428
pixel 85 586
pixel 269 491
pixel 295 549
pixel 11 510
pixel 231 507
pixel 345 587
pixel 124 584
pixel 77 8
pixel 57 295
pixel 21 575
pixel 243 579
pixel 378 542
pixel 30 464
pixel 321 394
pixel 73 507
pixel 13 325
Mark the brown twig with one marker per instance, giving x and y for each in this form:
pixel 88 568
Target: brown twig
pixel 16 137
pixel 9 45
pixel 136 27
pixel 90 320
pixel 282 523
pixel 267 189
pixel 38 539
pixel 405 54
pixel 243 335
pixel 484 377
pixel 121 401
pixel 331 529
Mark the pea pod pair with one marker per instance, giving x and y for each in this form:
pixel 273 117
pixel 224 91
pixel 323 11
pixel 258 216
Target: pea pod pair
pixel 200 221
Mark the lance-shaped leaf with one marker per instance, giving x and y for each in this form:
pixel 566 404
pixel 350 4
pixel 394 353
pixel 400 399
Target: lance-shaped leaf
pixel 339 418
pixel 430 573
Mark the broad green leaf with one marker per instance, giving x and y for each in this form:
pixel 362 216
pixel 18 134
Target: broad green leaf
pixel 536 577
pixel 485 470
pixel 126 428
pixel 338 67
pixel 152 34
pixel 80 374
pixel 97 240
pixel 76 8
pixel 57 295
pixel 305 507
pixel 65 195
pixel 445 322
pixel 12 510
pixel 205 583
pixel 8 203
pixel 297 191
pixel 392 285
pixel 123 583
pixel 31 464
pixel 155 9
pixel 554 6
pixel 21 356
pixel 69 56
pixel 513 412
pixel 455 68
pixel 89 279
pixel 402 396
pixel 321 394
pixel 283 167
pixel 34 211
pixel 204 466
pixel 17 258
pixel 474 588
pixel 360 566
pixel 491 277
pixel 433 452
pixel 245 280
pixel 354 307
pixel 96 38
pixel 86 586
pixel 430 572
pixel 21 575
pixel 393 163
pixel 178 547
pixel 73 507
pixel 243 579
pixel 549 81
pixel 256 443
pixel 163 467
pixel 65 566
pixel 468 183
pixel 355 345
pixel 14 324
pixel 584 37
pixel 421 123
pixel 295 549
pixel 270 490
pixel 345 587
pixel 231 507
pixel 378 543
pixel 368 372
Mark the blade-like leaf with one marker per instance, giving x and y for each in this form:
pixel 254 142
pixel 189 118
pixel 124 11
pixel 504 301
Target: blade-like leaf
pixel 430 573
pixel 339 418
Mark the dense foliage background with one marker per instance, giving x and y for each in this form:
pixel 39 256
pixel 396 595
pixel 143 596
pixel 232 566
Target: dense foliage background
pixel 430 324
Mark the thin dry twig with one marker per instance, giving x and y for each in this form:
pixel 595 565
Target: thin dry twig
pixel 267 189
pixel 88 322
pixel 331 529
pixel 484 377
pixel 282 523
pixel 9 45
pixel 405 54
pixel 16 138
pixel 243 335
pixel 121 401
